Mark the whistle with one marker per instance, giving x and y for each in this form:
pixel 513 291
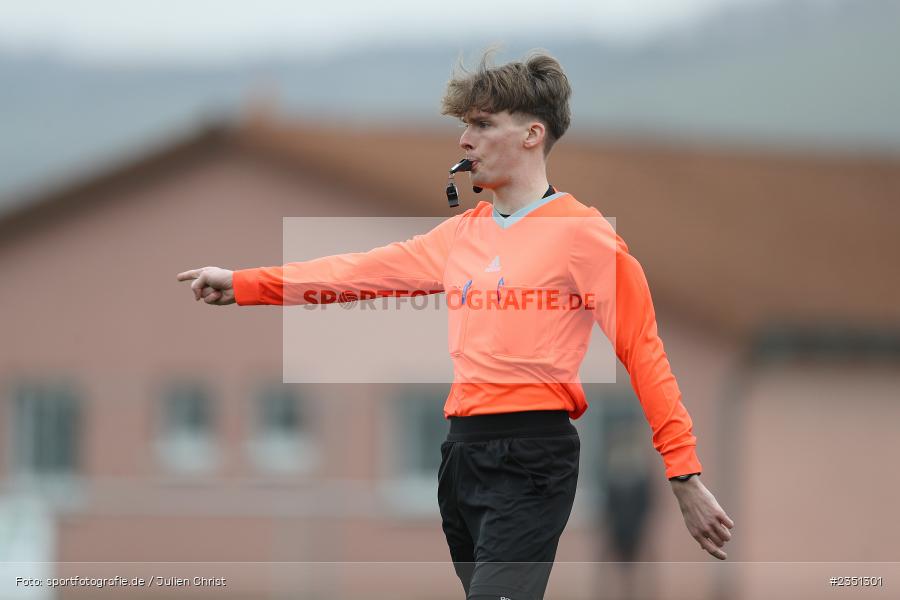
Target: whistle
pixel 452 194
pixel 463 165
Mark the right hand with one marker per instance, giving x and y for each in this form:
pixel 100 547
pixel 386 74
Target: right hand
pixel 211 284
pixel 705 520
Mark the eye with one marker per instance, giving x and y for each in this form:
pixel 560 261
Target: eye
pixel 483 124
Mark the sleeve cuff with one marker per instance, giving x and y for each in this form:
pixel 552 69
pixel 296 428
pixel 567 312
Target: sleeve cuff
pixel 682 461
pixel 246 287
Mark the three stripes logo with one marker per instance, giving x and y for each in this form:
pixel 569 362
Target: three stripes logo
pixel 494 266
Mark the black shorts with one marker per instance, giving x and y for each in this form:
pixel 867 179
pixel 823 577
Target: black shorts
pixel 506 485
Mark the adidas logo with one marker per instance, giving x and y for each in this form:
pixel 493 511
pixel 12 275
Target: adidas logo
pixel 494 266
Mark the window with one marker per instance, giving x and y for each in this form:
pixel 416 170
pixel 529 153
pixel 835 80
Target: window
pixel 417 429
pixel 424 428
pixel 616 448
pixel 187 436
pixel 281 441
pixel 46 430
pixel 279 410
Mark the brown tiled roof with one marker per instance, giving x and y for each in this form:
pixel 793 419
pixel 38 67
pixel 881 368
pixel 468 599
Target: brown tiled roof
pixel 735 239
pixel 732 239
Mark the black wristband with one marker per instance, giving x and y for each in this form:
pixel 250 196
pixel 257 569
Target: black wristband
pixel 682 477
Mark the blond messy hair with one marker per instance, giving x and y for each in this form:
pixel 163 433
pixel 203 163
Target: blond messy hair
pixel 536 86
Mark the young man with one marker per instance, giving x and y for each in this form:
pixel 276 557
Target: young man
pixel 510 463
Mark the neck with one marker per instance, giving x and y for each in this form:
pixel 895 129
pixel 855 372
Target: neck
pixel 519 192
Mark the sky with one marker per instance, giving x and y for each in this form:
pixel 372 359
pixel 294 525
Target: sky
pixel 211 31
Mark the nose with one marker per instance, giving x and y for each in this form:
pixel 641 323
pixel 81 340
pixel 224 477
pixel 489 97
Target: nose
pixel 464 142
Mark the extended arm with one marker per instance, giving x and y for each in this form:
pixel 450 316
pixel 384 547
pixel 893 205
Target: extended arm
pixel 410 267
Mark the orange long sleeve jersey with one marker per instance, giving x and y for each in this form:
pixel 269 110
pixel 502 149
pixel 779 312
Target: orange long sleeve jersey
pixel 510 354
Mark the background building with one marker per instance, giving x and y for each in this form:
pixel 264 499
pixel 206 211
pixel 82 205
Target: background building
pixel 144 434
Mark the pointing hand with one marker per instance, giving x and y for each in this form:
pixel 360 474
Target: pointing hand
pixel 211 284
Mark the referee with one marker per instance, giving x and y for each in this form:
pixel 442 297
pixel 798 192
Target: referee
pixel 524 291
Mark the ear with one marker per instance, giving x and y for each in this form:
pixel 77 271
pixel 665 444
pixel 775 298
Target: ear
pixel 535 135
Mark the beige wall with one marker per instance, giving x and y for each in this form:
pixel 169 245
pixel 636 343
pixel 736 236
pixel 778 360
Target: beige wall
pixel 94 297
pixel 822 444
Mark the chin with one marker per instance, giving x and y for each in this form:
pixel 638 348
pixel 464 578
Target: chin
pixel 481 182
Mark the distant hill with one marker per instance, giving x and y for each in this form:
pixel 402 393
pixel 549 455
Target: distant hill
pixel 803 74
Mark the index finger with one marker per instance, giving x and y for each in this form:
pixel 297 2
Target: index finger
pixel 185 275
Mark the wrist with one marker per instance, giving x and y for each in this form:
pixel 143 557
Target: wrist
pixel 679 485
pixel 685 477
